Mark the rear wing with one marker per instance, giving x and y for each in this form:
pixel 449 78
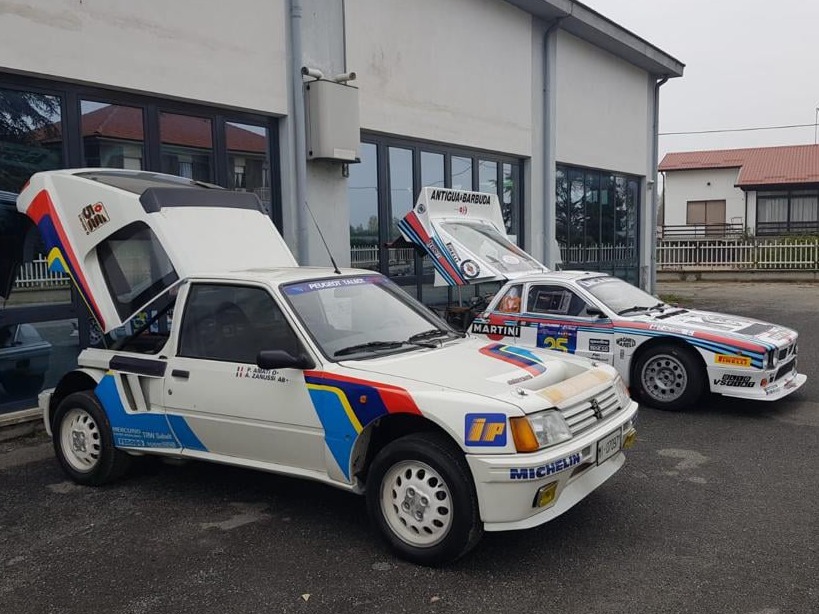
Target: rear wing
pixel 465 237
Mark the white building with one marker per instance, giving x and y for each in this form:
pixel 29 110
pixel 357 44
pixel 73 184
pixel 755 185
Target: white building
pixel 544 101
pixel 760 191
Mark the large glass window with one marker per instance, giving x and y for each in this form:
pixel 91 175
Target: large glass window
pixel 30 136
pixel 383 188
pixel 597 217
pixel 362 192
pixel 187 146
pixel 46 125
pixel 112 135
pixel 402 198
pixel 248 161
pixel 787 212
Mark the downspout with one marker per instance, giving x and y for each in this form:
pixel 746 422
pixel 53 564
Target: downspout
pixel 300 145
pixel 549 145
pixel 652 279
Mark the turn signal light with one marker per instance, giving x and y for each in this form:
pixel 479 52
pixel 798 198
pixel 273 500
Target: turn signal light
pixel 524 436
pixel 629 439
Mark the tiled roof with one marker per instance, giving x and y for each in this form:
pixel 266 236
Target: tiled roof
pixel 759 166
pixel 120 122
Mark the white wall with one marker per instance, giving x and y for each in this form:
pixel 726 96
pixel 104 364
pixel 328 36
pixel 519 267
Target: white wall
pixel 603 112
pixel 454 71
pixel 708 184
pixel 230 54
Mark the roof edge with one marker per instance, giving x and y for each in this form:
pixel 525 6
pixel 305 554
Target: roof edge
pixel 597 29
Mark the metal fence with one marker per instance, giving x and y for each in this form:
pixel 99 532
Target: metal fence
pixel 748 255
pixel 35 274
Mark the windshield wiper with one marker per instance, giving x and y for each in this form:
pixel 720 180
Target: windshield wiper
pixel 370 345
pixel 429 334
pixel 630 309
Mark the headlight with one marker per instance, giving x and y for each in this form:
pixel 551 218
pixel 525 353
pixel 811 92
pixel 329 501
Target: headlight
pixel 545 428
pixel 623 397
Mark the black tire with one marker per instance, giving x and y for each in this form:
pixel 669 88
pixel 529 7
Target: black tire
pixel 426 473
pixel 669 377
pixel 83 441
pixel 22 385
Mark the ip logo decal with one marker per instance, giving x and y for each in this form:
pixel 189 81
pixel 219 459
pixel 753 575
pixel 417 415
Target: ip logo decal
pixel 488 430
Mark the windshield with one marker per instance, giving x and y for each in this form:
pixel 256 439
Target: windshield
pixel 488 245
pixel 362 316
pixel 619 296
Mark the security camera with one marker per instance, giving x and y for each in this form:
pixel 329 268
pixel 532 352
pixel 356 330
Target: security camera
pixel 312 72
pixel 344 77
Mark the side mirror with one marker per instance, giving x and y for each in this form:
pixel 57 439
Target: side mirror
pixel 279 359
pixel 595 312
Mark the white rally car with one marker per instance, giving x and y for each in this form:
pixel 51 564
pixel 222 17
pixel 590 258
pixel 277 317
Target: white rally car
pixel 331 375
pixel 668 355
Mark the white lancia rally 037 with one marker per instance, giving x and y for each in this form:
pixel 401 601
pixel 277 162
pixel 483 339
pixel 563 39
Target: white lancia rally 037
pixel 667 355
pixel 245 358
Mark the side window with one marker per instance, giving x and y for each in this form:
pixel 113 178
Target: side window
pixel 555 300
pixel 233 324
pixel 134 265
pixel 510 303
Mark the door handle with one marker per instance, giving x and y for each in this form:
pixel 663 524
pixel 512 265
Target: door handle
pixel 180 373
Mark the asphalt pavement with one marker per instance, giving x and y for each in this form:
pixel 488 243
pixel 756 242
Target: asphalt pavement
pixel 716 511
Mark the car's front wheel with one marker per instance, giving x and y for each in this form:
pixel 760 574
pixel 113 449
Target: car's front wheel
pixel 84 443
pixel 669 377
pixel 421 496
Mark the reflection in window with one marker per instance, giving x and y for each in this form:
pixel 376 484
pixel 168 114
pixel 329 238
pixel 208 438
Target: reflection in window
pixel 597 220
pixel 112 136
pixel 248 164
pixel 432 169
pixel 461 173
pixel 30 136
pixel 362 192
pixel 488 176
pixel 33 356
pixel 401 259
pixel 187 146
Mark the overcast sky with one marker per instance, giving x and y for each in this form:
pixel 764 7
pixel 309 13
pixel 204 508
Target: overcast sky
pixel 748 63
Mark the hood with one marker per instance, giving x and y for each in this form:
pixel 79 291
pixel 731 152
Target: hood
pixel 125 237
pixel 492 370
pixel 464 235
pixel 723 325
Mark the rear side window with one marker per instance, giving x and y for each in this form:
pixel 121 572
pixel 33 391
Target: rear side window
pixel 135 266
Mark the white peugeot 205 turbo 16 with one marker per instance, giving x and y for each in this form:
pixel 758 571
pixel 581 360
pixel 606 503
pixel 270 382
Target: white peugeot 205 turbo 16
pixel 244 358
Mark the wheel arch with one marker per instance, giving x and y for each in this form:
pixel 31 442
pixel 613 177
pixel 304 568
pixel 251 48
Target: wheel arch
pixel 74 381
pixel 385 430
pixel 659 341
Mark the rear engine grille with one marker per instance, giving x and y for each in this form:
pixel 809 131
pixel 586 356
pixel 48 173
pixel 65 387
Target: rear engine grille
pixel 584 415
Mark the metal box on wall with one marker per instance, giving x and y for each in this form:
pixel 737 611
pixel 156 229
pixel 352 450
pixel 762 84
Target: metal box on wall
pixel 333 126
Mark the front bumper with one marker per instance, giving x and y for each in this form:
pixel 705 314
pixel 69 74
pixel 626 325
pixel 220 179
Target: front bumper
pixel 507 485
pixel 766 385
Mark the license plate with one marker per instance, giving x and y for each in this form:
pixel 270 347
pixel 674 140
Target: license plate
pixel 608 446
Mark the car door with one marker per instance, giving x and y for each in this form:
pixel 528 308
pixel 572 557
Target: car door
pixel 232 406
pixel 565 324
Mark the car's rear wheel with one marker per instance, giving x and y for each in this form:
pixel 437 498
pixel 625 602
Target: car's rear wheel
pixel 669 377
pixel 84 443
pixel 421 496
